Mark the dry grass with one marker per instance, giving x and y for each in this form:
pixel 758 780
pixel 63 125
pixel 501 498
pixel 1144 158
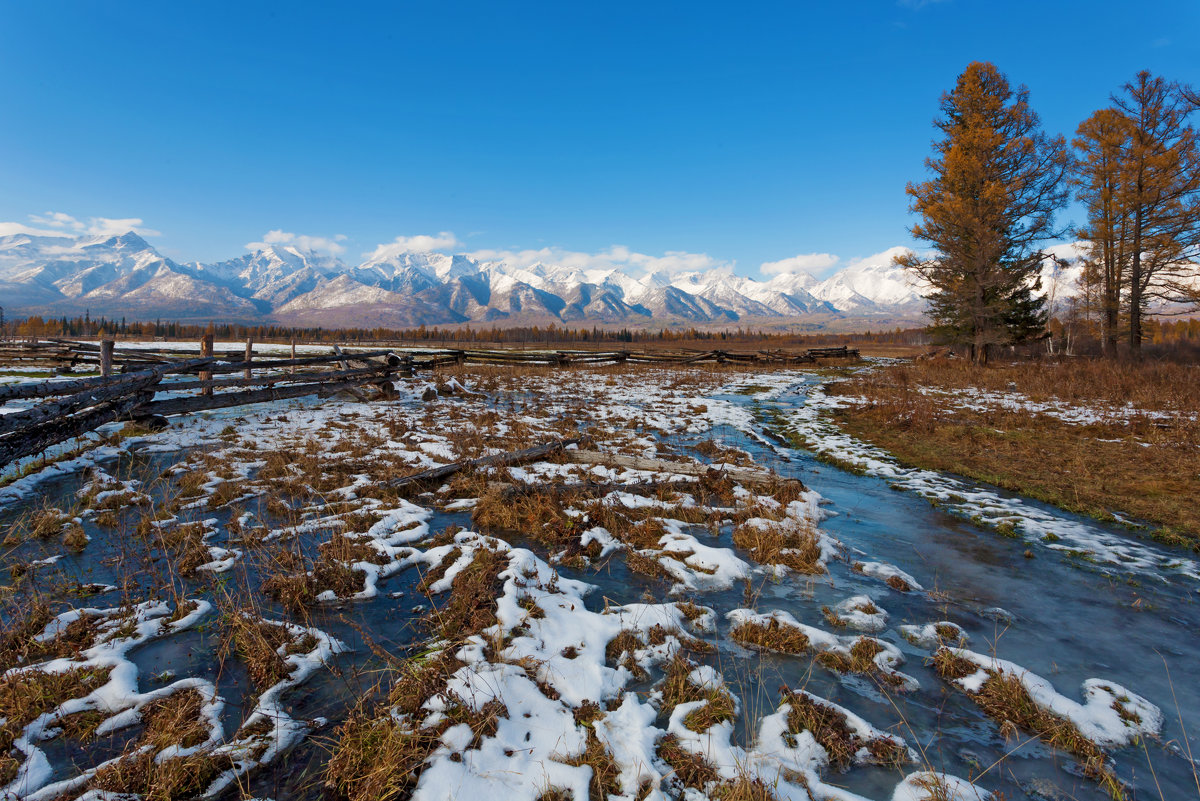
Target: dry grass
pixel 786 543
pixel 257 643
pixel 419 680
pixel 296 582
pixel 829 728
pixel 606 773
pixel 721 454
pixel 621 651
pixel 1004 698
pixel 860 659
pixel 774 636
pixel 1094 469
pixel 541 516
pixel 541 513
pixel 27 695
pixel 175 720
pixel 691 770
pixel 376 758
pixel 21 626
pixel 743 789
pixel 678 689
pixel 185 546
pixel 470 605
pixel 166 780
pixel 75 538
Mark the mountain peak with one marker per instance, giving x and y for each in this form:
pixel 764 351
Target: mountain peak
pixel 130 240
pixel 280 281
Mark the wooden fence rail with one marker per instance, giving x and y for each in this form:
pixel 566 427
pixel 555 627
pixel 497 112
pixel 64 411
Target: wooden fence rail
pixel 73 407
pixel 148 386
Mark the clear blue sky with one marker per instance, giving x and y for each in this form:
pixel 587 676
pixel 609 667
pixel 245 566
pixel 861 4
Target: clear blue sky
pixel 750 132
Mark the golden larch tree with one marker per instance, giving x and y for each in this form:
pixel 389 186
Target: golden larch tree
pixel 997 182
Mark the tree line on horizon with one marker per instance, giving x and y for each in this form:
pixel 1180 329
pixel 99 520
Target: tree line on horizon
pixel 998 181
pixel 86 326
pixel 1063 329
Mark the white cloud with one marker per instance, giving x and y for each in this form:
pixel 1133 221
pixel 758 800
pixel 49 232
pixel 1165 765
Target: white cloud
pixel 883 258
pixel 421 243
pixel 58 220
pixel 616 257
pixel 14 228
pixel 95 226
pixel 802 263
pixel 320 244
pixel 106 226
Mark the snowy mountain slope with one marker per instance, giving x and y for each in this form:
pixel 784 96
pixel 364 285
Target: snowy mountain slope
pixel 344 301
pixel 125 275
pixel 873 285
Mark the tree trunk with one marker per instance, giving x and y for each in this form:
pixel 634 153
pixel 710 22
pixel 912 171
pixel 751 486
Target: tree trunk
pixel 1135 282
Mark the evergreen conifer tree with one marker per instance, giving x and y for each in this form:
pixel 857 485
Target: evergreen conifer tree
pixel 997 181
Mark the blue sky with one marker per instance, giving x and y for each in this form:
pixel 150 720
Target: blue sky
pixel 732 133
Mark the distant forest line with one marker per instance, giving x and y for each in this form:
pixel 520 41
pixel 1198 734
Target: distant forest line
pixel 1159 331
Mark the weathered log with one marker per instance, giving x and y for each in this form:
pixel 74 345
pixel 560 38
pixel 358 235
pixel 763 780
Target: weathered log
pixel 274 364
pixel 50 410
pixel 742 475
pixel 50 389
pixel 644 488
pixel 371 373
pixel 206 349
pixel 495 460
pixel 337 351
pixel 224 400
pixel 53 432
pixel 106 358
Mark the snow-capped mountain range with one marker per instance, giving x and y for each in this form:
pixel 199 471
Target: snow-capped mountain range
pixel 124 276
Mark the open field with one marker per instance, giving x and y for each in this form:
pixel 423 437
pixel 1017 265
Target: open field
pixel 673 603
pixel 1114 440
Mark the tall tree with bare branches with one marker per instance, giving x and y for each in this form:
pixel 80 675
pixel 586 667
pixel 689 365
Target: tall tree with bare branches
pixel 997 182
pixel 1104 186
pixel 1162 166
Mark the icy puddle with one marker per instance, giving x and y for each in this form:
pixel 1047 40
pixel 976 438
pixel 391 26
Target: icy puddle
pixel 240 607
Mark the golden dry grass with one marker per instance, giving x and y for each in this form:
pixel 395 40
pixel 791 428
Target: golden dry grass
pixel 829 728
pixel 783 543
pixel 1143 471
pixel 27 695
pixel 154 780
pixel 691 770
pixel 773 636
pixel 1004 698
pixel 678 689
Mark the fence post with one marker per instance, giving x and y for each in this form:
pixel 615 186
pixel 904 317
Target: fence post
pixel 293 355
pixel 106 357
pixel 206 350
pixel 249 356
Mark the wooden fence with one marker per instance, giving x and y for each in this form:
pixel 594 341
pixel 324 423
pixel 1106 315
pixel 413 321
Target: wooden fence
pixel 149 384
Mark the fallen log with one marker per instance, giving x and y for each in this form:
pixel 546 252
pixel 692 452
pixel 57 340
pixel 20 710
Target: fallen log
pixel 224 400
pixel 495 460
pixel 645 488
pixel 51 410
pixel 273 364
pixel 364 372
pixel 742 475
pixel 49 389
pixel 53 432
pixel 337 351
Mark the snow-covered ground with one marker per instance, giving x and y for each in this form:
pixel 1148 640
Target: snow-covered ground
pixel 1036 523
pixel 560 609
